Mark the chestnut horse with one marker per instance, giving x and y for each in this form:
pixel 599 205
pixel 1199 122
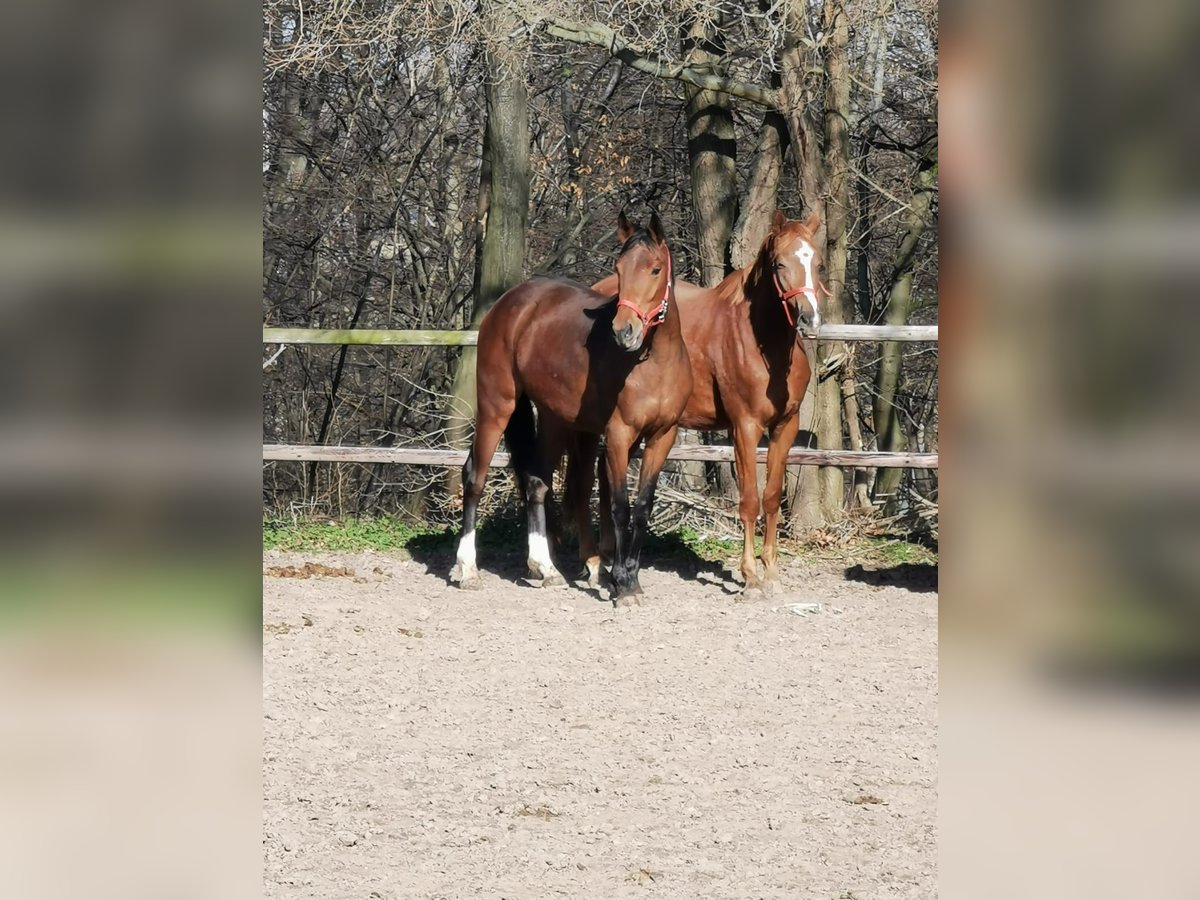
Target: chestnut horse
pixel 590 363
pixel 749 374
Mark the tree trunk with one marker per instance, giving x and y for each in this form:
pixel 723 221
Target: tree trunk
pixel 762 194
pixel 838 309
pixel 860 499
pixel 805 486
pixel 503 199
pixel 796 92
pixel 712 162
pixel 566 248
pixel 712 154
pixel 889 428
pixel 875 60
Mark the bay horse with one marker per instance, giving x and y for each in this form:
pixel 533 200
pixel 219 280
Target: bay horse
pixel 749 375
pixel 611 365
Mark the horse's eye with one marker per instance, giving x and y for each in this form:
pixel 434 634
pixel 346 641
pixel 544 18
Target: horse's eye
pixel 777 266
pixel 655 270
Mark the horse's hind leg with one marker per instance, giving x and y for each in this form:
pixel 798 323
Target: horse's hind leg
pixel 781 440
pixel 489 426
pixel 581 471
pixel 608 540
pixel 536 484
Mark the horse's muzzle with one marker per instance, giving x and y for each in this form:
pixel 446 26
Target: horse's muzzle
pixel 807 321
pixel 628 338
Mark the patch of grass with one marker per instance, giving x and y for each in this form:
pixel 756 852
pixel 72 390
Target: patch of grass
pixel 379 533
pixel 891 551
pixel 710 547
pixel 503 531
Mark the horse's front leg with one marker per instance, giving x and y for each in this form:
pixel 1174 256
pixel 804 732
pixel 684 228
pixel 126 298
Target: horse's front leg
pixel 783 436
pixel 619 441
pixel 653 459
pixel 745 457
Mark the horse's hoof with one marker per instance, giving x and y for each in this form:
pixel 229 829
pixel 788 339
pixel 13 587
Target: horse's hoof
pixel 772 586
pixel 629 594
pixel 752 594
pixel 590 572
pixel 553 579
pixel 471 583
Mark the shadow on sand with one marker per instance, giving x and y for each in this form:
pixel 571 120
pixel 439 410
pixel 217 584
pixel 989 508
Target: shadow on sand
pixel 918 577
pixel 501 546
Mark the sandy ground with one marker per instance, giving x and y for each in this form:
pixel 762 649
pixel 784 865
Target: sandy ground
pixel 422 741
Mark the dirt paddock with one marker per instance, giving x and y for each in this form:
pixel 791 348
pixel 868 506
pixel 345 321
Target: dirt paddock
pixel 426 742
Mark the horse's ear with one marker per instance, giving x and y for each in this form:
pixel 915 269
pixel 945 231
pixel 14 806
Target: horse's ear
pixel 625 228
pixel 778 221
pixel 812 223
pixel 655 229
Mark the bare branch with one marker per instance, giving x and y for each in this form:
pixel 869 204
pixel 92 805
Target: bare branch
pixel 652 64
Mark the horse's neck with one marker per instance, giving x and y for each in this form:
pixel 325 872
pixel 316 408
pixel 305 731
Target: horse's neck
pixel 669 328
pixel 765 309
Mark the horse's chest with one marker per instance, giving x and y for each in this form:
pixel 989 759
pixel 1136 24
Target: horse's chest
pixel 654 401
pixel 767 389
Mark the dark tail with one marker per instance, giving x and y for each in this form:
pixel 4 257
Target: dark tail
pixel 520 435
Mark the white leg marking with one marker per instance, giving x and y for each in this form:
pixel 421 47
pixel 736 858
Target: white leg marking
pixel 466 549
pixel 464 568
pixel 539 551
pixel 539 558
pixel 593 570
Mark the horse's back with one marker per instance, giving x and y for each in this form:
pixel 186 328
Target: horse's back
pixel 538 298
pixel 549 291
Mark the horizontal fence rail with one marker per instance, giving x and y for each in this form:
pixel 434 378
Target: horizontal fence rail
pixel 419 456
pixel 383 337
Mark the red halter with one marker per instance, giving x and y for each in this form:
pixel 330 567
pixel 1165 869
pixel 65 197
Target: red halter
pixel 785 296
pixel 658 316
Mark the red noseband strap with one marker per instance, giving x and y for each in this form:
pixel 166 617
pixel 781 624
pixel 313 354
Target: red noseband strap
pixel 785 296
pixel 659 315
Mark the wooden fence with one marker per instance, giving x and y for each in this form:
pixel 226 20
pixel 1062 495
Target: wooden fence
pixel 418 456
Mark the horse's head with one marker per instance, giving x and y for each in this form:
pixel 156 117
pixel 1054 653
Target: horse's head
pixel 793 255
pixel 643 281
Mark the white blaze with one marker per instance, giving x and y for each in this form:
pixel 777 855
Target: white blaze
pixel 806 255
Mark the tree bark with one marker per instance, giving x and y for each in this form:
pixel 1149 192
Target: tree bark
pixel 504 180
pixel 837 170
pixel 712 163
pixel 795 93
pixel 712 155
pixel 762 194
pixel 804 487
pixel 891 434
